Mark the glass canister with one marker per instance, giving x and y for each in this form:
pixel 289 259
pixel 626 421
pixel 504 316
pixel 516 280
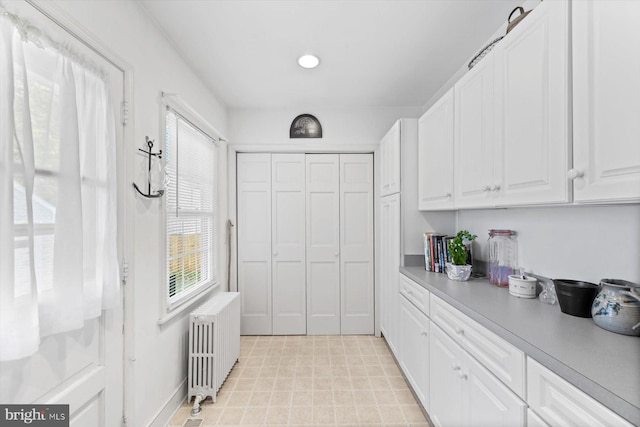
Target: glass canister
pixel 503 256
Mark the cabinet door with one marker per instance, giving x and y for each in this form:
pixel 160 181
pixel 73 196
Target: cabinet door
pixel 323 244
pixel 390 265
pixel 532 131
pixel 356 244
pixel 288 244
pixel 473 136
pixel 487 401
pixel 414 349
pixel 446 399
pixel 390 161
pixel 606 107
pixel 254 242
pixel 435 156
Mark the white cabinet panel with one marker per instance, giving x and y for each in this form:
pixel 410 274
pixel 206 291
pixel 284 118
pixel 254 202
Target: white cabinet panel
pixel 389 265
pixel 445 408
pixel 606 101
pixel 254 237
pixel 356 257
pixel 504 360
pixel 473 136
pixel 390 163
pixel 435 155
pixel 414 349
pixel 323 244
pixel 415 293
pixel 532 109
pixel 288 244
pixel 561 404
pixel 533 420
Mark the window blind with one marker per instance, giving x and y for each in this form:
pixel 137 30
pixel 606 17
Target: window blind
pixel 190 158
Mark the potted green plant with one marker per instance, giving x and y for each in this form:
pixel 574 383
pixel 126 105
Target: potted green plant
pixel 458 269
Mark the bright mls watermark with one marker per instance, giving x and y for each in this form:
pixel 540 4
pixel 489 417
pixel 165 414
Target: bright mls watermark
pixel 34 415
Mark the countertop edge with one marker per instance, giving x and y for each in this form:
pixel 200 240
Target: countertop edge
pixel 609 399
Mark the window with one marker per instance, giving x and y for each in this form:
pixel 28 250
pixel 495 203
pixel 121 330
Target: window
pixel 191 213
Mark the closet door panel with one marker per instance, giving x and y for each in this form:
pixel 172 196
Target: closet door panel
pixel 356 244
pixel 288 244
pixel 323 244
pixel 254 242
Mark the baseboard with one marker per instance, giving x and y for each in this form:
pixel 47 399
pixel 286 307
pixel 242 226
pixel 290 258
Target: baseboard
pixel 165 415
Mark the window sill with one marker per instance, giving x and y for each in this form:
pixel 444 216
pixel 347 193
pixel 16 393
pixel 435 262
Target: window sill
pixel 181 306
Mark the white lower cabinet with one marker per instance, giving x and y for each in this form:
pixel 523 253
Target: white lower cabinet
pixel 463 392
pixel 534 420
pixel 389 266
pixel 414 349
pixel 559 403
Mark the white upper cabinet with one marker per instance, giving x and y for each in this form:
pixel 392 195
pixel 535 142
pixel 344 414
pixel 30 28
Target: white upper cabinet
pixel 606 107
pixel 390 163
pixel 435 156
pixel 473 136
pixel 511 118
pixel 531 100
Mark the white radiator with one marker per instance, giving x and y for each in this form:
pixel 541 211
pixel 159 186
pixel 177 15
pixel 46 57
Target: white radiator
pixel 214 345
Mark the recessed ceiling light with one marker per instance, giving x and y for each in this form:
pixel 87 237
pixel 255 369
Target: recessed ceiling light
pixel 308 61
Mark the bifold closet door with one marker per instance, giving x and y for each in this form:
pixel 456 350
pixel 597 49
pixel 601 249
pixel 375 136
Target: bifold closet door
pixel 356 244
pixel 288 244
pixel 254 242
pixel 323 244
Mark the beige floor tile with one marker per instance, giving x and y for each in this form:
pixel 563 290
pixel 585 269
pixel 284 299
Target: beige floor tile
pixel 369 415
pixel 324 415
pixel 405 397
pixel 302 398
pixel 379 383
pixel 301 415
pixel 391 414
pixel 322 397
pixel 363 397
pixel 236 399
pixel 264 384
pixel 212 414
pixel 302 384
pixel 413 413
pixel 398 383
pixel 344 398
pixel 322 383
pixel 254 416
pixel 283 383
pixel 280 398
pixel 342 383
pixel 346 415
pixel 385 397
pixel 277 415
pixel 231 416
pixel 260 398
pixel 245 384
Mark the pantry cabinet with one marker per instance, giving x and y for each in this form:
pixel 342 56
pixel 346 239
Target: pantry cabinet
pixel 512 117
pixel 390 147
pixel 606 107
pixel 390 252
pixel 435 155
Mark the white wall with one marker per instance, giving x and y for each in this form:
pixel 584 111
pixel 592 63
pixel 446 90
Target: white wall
pixel 158 355
pixel 571 242
pixel 339 125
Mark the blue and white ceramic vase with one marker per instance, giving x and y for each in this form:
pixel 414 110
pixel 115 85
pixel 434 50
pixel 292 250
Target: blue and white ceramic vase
pixel 616 308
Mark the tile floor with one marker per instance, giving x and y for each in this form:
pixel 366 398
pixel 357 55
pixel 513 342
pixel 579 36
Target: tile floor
pixel 314 380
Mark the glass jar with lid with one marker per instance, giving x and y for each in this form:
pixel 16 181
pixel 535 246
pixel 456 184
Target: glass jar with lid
pixel 503 256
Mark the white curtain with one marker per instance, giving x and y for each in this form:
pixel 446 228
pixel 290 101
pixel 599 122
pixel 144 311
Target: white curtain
pixel 58 256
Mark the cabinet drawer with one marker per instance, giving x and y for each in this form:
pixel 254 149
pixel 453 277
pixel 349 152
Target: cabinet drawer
pixel 559 403
pixel 415 293
pixel 501 358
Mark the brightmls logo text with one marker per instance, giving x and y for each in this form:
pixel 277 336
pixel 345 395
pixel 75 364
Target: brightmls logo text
pixel 34 415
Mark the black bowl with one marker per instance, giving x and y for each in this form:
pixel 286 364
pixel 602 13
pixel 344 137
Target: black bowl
pixel 575 297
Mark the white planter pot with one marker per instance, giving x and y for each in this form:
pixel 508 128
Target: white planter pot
pixel 460 273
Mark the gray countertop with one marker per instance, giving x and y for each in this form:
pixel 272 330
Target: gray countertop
pixel 603 364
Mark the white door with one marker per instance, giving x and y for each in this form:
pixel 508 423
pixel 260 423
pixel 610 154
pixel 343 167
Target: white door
pixel 532 132
pixel 445 408
pixel 414 349
pixel 288 244
pixel 356 247
pixel 254 242
pixel 606 101
pixel 435 155
pixel 81 368
pixel 390 161
pixel 323 244
pixel 389 268
pixel 473 136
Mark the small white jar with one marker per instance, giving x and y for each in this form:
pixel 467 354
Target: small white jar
pixel 522 288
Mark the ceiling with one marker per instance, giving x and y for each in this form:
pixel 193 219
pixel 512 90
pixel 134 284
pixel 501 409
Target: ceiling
pixel 373 53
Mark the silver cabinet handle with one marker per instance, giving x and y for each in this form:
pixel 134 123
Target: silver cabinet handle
pixel 486 188
pixel 495 187
pixel 447 195
pixel 459 331
pixel 462 375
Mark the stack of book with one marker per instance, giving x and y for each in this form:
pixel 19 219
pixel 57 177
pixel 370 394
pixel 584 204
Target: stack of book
pixel 436 251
